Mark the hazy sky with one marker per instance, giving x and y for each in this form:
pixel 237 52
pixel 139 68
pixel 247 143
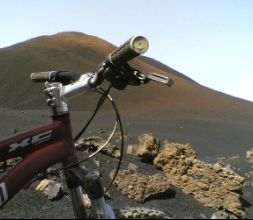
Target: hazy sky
pixel 210 41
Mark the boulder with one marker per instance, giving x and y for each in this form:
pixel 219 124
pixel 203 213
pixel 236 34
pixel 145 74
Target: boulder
pixel 212 184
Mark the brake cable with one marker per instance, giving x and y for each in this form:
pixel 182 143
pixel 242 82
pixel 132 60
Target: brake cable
pixel 118 119
pixel 105 94
pixel 122 140
pixel 108 140
pixel 100 103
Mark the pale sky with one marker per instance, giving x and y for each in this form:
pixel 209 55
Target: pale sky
pixel 210 41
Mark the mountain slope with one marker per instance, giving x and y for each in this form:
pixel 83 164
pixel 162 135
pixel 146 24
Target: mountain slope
pixel 83 53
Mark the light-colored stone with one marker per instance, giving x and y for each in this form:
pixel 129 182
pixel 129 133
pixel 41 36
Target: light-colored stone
pixel 43 185
pixel 220 215
pixel 49 188
pixel 223 215
pixel 52 190
pixel 86 201
pixel 249 154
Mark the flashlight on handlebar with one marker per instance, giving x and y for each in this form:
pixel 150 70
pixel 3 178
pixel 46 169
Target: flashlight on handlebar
pixel 130 49
pixel 119 57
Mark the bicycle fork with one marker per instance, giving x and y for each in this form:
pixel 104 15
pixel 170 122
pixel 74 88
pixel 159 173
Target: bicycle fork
pixel 81 180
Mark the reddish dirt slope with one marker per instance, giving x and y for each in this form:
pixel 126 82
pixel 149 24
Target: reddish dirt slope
pixel 80 52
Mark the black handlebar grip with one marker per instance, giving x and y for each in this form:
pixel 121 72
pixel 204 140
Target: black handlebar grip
pixel 129 50
pixel 64 77
pixel 42 76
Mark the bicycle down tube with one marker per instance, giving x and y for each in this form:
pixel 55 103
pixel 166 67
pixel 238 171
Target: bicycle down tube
pixel 40 149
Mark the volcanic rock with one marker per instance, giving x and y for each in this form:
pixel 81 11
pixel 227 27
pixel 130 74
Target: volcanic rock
pixel 94 143
pixel 141 187
pixel 212 184
pixel 147 149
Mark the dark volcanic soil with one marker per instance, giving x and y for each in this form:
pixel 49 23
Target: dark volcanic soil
pixel 210 138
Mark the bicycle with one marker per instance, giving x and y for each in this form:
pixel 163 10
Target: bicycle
pixel 50 144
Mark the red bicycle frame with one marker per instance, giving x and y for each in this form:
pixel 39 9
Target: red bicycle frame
pixel 40 148
pixel 48 145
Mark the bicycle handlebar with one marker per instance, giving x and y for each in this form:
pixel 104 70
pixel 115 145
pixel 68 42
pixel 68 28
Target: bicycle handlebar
pixel 129 50
pixel 65 77
pixel 115 69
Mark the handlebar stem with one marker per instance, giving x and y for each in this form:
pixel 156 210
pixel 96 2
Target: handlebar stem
pixel 80 86
pixel 58 94
pixel 55 99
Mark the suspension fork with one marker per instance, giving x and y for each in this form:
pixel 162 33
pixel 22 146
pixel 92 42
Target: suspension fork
pixel 79 180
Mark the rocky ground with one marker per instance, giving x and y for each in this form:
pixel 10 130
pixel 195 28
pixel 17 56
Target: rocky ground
pixel 187 180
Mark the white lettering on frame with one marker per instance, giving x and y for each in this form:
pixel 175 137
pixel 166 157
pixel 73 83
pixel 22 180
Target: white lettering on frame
pixel 37 139
pixel 3 194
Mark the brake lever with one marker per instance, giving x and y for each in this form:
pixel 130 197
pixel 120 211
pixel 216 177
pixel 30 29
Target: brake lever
pixel 145 78
pixel 160 78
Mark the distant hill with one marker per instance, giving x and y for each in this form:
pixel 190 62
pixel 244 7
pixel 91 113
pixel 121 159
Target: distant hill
pixel 83 53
